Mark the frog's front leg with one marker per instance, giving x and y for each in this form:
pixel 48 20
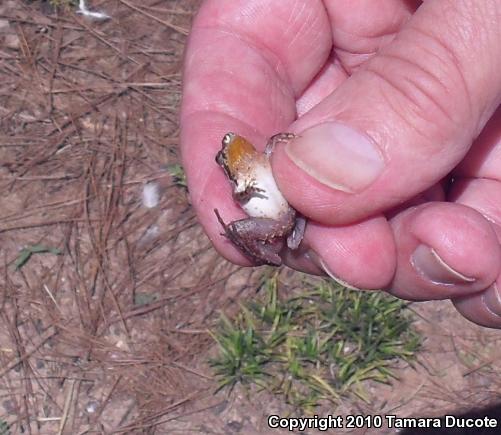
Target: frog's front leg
pixel 250 190
pixel 261 239
pixel 277 138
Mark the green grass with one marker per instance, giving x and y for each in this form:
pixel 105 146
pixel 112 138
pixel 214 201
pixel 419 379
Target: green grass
pixel 27 252
pixel 178 175
pixel 318 345
pixel 4 427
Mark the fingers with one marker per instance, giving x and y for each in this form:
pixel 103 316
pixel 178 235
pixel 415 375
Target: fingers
pixel 443 251
pixel 359 255
pixel 251 59
pixel 361 27
pixel 484 158
pixel 434 250
pixel 327 80
pixel 478 185
pixel 483 308
pixel 484 195
pixel 409 114
pixel 245 63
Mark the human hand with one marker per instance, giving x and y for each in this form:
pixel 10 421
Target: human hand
pixel 376 131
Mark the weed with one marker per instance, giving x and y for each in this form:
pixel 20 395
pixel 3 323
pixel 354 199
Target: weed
pixel 318 345
pixel 178 175
pixel 26 253
pixel 4 428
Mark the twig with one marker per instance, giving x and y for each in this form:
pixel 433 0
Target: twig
pixel 49 334
pixel 181 30
pixel 105 42
pixel 44 224
pixel 155 416
pixel 67 404
pixel 53 298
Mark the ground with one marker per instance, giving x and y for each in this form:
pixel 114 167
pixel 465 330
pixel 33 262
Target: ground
pixel 105 299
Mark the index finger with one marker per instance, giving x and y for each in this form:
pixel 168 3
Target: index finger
pixel 246 63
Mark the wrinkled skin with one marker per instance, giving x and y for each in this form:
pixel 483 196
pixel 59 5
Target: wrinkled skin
pixel 420 79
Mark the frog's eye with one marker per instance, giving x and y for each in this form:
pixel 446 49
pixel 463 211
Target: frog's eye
pixel 228 137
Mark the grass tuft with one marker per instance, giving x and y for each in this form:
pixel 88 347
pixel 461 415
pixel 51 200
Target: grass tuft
pixel 4 428
pixel 315 346
pixel 178 175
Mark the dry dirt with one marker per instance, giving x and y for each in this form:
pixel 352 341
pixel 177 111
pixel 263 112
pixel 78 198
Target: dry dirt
pixel 111 336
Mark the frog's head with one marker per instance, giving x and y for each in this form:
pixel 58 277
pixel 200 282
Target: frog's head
pixel 234 154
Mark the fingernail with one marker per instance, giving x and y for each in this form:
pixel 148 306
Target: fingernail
pixel 428 264
pixel 337 155
pixel 320 263
pixel 492 300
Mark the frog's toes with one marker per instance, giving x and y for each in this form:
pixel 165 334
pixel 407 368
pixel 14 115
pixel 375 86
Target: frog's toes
pixel 220 219
pixel 277 138
pixel 296 236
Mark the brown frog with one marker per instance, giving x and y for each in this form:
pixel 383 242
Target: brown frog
pixel 271 219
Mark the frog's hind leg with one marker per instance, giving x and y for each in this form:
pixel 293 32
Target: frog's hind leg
pixel 259 251
pixel 252 236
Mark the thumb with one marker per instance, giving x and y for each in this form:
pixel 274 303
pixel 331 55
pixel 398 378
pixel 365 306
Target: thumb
pixel 402 121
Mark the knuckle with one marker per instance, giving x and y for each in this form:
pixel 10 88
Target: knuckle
pixel 425 87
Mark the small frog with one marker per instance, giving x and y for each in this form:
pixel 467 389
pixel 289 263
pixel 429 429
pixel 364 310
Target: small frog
pixel 271 219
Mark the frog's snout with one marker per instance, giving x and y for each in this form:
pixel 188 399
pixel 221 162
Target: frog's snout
pixel 228 138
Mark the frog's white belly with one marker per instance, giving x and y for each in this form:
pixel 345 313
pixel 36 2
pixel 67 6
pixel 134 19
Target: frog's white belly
pixel 268 202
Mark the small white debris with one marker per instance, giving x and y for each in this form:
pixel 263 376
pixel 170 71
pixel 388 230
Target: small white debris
pixel 82 9
pixel 149 235
pixel 11 41
pixel 4 26
pixel 152 232
pixel 348 348
pixel 120 344
pixel 151 195
pixel 92 406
